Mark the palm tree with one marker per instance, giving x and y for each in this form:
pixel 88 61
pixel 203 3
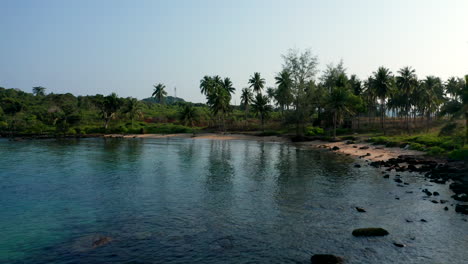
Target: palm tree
pixel 206 85
pixel 133 109
pixel 453 87
pixel 159 93
pixel 227 85
pixel 339 103
pixel 284 91
pixel 382 84
pixel 218 94
pixel 430 97
pixel 406 82
pixel 188 116
pixel 261 108
pixel 256 82
pixel 39 91
pixel 246 100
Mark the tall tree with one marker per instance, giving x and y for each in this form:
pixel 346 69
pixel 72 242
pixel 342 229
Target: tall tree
pixel 188 116
pixel 246 100
pixel 159 92
pixel 39 91
pixel 302 67
pixel 256 82
pixel 382 83
pixel 109 106
pixel 284 90
pixel 133 109
pixel 406 82
pixel 261 108
pixel 218 94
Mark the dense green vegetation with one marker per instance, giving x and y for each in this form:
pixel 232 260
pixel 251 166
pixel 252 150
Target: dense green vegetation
pixel 301 103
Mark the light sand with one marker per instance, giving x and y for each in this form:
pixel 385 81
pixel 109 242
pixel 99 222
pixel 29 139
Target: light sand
pixel 377 153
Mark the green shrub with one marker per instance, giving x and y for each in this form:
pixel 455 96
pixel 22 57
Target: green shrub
pixel 417 146
pixel 435 151
pixel 314 131
pixel 459 154
pixel 448 130
pixel 268 133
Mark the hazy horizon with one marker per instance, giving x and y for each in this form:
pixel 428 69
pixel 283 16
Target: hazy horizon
pixel 90 47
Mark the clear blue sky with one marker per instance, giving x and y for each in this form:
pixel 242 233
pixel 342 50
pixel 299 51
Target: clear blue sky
pixel 98 46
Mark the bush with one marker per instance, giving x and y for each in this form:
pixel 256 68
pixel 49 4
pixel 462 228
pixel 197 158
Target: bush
pixel 314 131
pixel 448 130
pixel 417 146
pixel 459 154
pixel 268 133
pixel 435 151
pixel 379 140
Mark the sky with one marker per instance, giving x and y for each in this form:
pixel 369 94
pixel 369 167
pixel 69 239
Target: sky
pixel 92 47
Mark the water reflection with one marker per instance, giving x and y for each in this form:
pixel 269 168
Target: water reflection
pixel 209 201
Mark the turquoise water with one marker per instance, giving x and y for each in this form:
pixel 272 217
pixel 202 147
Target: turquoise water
pixel 210 201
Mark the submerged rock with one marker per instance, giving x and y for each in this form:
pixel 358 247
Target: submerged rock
pixel 326 259
pixel 371 231
pixel 101 241
pixel 357 166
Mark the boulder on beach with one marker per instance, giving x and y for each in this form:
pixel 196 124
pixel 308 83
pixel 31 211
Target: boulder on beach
pixel 335 148
pixel 326 259
pixel 370 231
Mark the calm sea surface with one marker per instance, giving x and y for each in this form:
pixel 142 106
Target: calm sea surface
pixel 211 201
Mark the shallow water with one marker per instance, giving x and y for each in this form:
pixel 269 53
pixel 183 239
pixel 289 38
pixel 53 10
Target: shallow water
pixel 211 201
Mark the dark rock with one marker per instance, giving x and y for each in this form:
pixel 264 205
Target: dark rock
pixel 361 210
pixel 435 193
pixel 435 201
pixel 409 221
pixel 326 259
pixel 399 244
pixel 386 176
pixel 459 208
pixel 335 148
pixel 406 183
pixel 357 166
pixel 443 201
pixel 446 208
pixel 423 220
pixel 371 231
pixel 364 147
pixel 427 192
pixel 398 180
pixel 101 241
pixel 462 197
pixel 368 154
pixel 349 142
pixel 400 185
pixel 354 146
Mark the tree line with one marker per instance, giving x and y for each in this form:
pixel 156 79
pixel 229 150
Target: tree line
pixel 301 97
